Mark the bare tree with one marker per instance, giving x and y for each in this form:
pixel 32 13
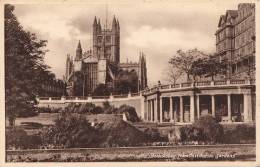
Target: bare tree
pixel 172 74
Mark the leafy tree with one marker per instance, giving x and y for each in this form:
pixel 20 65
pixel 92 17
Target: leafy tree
pixel 126 81
pixel 78 87
pixel 209 67
pixel 24 65
pixel 214 67
pixel 184 60
pixel 102 90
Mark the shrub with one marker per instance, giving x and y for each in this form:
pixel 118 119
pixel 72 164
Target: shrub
pixel 153 135
pixel 208 129
pixel 191 134
pixel 28 111
pixel 49 110
pixel 175 135
pixel 108 108
pixel 241 134
pixel 69 131
pixel 98 110
pixel 18 138
pixel 118 133
pixel 129 112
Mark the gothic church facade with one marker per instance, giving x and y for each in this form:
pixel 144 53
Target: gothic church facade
pixel 101 64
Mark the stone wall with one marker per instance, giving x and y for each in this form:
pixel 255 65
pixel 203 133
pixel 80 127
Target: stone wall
pixel 134 101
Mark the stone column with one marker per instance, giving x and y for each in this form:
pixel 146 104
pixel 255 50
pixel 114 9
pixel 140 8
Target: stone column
pixel 152 112
pixel 142 107
pixel 229 108
pixel 192 109
pixel 160 109
pixel 248 108
pixel 147 110
pixel 213 105
pixel 198 106
pixel 155 110
pixel 171 110
pixel 181 109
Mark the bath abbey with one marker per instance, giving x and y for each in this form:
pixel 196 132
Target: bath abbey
pixel 101 64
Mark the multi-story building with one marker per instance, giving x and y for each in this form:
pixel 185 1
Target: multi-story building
pixel 235 41
pixel 101 64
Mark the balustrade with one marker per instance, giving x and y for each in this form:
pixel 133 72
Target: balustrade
pixel 188 84
pixel 204 83
pixel 237 82
pixel 223 82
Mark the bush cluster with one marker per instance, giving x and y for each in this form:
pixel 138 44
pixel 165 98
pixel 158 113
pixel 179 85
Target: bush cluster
pixel 49 110
pixel 17 138
pixel 154 135
pixel 72 131
pixel 205 130
pixel 241 134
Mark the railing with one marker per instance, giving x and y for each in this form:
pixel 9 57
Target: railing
pixel 56 98
pixel 237 82
pixel 43 98
pixel 82 98
pixel 120 96
pixel 175 86
pixel 70 98
pixel 201 84
pixel 220 82
pixel 135 94
pixel 252 81
pixel 157 88
pixel 204 83
pixel 165 86
pixel 100 97
pixel 188 84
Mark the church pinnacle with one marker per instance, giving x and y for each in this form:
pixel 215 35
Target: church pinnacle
pixel 78 52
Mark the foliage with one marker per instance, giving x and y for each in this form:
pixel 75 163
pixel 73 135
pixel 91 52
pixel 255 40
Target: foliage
pixel 49 110
pixel 98 110
pixel 102 90
pixel 108 108
pixel 191 133
pixel 209 67
pixel 211 130
pixel 183 61
pixel 78 87
pixel 129 112
pixel 25 70
pixel 69 131
pixel 118 134
pixel 126 81
pixel 241 134
pixel 27 111
pixel 86 108
pixel 153 135
pixel 18 138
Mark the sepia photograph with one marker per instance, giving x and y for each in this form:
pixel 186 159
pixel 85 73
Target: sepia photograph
pixel 142 81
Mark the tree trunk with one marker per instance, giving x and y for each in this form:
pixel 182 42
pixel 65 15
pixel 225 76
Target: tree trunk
pixel 11 121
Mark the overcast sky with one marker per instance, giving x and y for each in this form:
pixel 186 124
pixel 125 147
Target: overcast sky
pixel 157 29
